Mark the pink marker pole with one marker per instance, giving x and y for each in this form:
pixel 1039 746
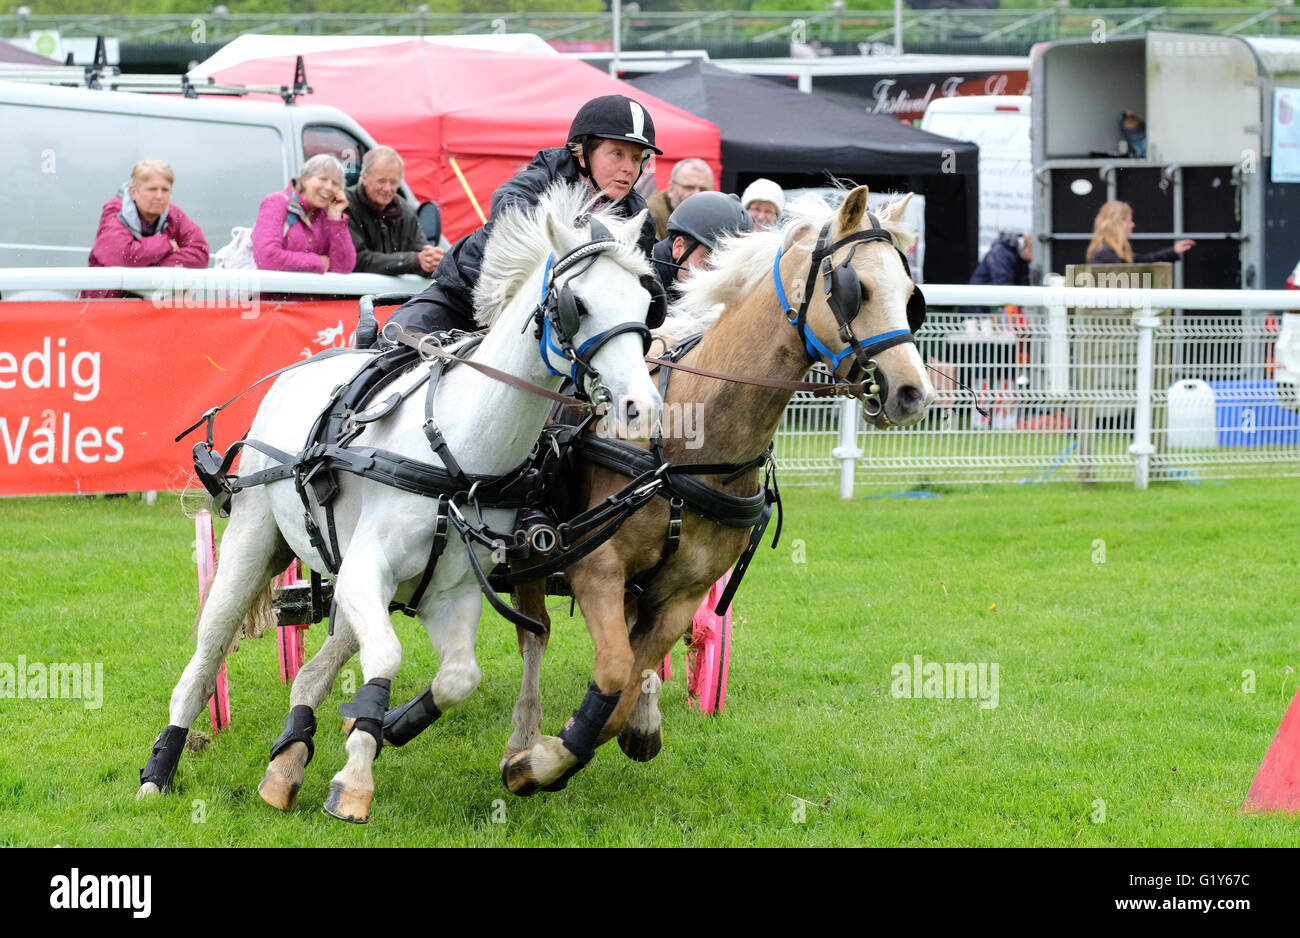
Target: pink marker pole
pixel 205 553
pixel 709 656
pixel 291 644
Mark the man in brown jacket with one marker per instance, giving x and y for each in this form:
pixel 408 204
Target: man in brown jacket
pixel 689 177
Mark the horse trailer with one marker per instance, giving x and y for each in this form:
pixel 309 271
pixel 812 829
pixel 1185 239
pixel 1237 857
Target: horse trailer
pixel 1218 161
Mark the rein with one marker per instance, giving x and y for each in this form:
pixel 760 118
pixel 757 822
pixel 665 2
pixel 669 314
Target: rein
pixel 816 388
pixel 429 349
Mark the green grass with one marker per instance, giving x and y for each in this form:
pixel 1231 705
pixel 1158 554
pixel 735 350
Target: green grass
pixel 1119 682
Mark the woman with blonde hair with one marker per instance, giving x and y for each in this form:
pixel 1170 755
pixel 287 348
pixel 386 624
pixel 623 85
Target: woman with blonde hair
pixel 142 228
pixel 303 228
pixel 1110 244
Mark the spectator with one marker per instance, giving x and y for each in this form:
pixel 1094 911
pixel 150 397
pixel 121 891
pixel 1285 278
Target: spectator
pixel 1110 244
pixel 385 230
pixel 689 177
pixel 141 227
pixel 1007 261
pixel 693 232
pixel 765 202
pixel 610 140
pixel 303 228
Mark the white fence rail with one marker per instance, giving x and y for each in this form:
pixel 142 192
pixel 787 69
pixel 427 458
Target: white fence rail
pixel 1082 384
pixel 1074 394
pixel 18 283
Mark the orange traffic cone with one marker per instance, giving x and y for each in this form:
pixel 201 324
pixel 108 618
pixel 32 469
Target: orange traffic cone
pixel 1277 784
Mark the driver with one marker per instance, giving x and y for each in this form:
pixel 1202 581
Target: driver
pixel 694 228
pixel 610 140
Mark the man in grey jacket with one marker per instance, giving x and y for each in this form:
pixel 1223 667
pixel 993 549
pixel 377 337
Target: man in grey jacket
pixel 385 230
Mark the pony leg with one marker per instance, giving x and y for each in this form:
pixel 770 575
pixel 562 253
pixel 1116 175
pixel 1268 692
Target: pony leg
pixel 636 720
pixel 451 621
pixel 294 749
pixel 552 760
pixel 362 591
pixel 527 713
pixel 250 552
pixel 642 736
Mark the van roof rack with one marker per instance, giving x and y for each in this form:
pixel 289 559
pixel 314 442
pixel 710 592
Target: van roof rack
pixel 102 76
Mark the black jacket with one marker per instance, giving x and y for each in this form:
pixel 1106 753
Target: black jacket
pixel 452 290
pixel 1003 264
pixel 665 268
pixel 387 242
pixel 1106 255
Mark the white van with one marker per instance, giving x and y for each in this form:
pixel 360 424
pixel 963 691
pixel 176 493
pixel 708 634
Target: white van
pixel 999 126
pixel 67 151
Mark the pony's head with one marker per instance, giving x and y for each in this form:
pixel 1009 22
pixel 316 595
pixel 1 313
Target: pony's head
pixel 841 280
pixel 583 283
pixel 850 284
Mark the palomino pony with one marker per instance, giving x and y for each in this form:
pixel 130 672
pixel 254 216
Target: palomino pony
pixel 863 310
pixel 592 309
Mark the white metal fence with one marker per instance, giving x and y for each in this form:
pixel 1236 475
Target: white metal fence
pixel 1062 392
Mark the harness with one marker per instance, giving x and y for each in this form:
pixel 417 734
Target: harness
pixel 845 295
pixel 678 484
pixel 329 447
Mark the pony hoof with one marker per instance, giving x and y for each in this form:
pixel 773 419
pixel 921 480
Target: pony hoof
pixel 641 747
pixel 147 790
pixel 347 806
pixel 511 752
pixel 279 787
pixel 277 790
pixel 517 774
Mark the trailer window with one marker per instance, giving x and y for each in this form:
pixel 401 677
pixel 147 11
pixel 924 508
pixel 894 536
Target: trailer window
pixel 322 138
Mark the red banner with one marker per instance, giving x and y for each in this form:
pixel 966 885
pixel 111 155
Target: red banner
pixel 92 394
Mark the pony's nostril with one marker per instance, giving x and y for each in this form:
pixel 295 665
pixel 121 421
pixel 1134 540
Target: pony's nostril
pixel 631 412
pixel 910 394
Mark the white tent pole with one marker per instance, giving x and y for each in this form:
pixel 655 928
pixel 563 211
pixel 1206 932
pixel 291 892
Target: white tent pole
pixel 616 6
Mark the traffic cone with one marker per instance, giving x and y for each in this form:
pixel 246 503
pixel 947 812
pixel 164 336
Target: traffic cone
pixel 1277 784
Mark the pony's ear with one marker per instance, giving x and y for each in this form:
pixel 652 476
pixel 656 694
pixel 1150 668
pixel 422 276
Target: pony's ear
pixel 895 210
pixel 563 238
pixel 851 212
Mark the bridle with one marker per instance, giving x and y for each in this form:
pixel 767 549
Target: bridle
pixel 845 295
pixel 559 313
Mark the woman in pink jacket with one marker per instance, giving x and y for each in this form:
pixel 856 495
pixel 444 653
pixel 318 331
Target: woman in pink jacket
pixel 303 228
pixel 141 228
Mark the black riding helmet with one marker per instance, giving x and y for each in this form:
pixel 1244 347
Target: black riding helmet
pixel 706 216
pixel 612 117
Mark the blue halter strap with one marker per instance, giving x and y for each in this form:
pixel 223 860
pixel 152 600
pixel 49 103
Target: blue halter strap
pixel 545 341
pixel 816 349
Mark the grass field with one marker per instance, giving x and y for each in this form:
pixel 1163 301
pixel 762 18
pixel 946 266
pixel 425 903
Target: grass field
pixel 1144 644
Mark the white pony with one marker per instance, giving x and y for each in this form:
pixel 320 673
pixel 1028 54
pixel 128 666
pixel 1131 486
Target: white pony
pixel 385 535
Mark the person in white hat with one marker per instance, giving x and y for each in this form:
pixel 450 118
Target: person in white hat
pixel 765 202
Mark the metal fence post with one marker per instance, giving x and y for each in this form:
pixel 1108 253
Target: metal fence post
pixel 848 451
pixel 1141 448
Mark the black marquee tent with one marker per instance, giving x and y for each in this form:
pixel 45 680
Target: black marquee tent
pixel 800 140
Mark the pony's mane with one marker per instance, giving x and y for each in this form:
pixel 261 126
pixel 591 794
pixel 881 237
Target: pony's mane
pixel 741 264
pixel 518 245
